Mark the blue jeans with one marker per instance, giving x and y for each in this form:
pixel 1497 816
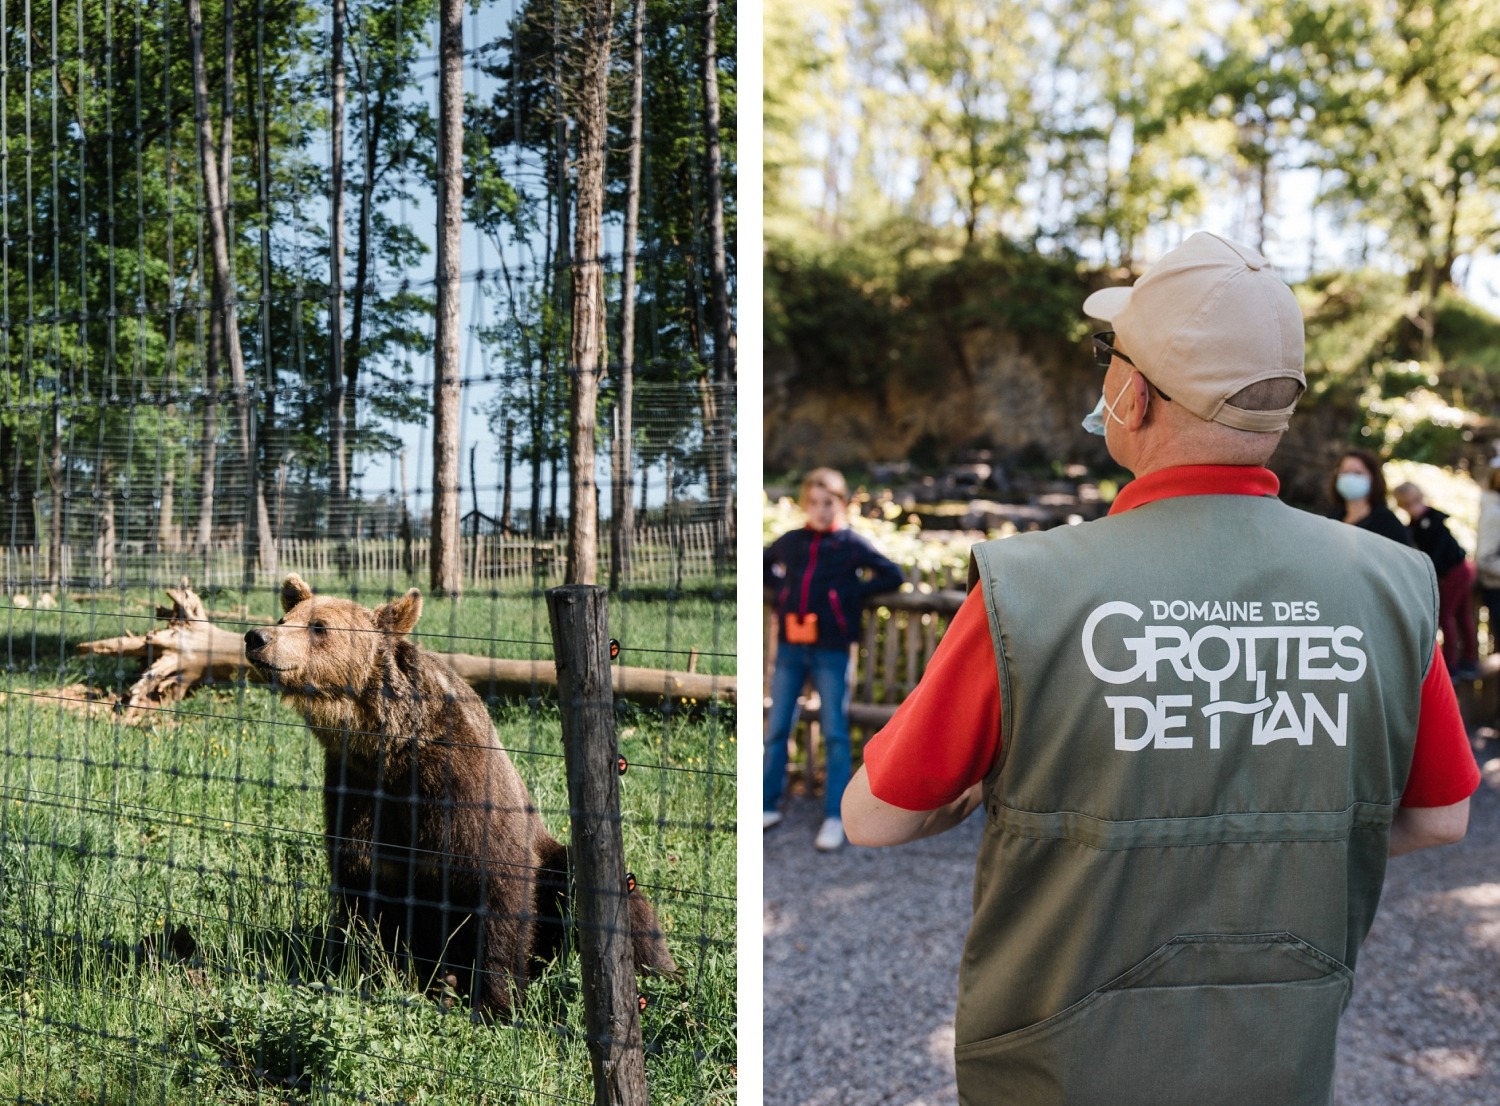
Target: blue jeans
pixel 830 670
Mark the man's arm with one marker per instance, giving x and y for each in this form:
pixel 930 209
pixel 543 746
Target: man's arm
pixel 1435 804
pixel 1423 827
pixel 935 752
pixel 872 821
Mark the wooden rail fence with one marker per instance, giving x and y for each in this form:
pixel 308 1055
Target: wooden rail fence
pixel 663 555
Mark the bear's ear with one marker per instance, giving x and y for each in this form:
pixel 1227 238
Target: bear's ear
pixel 293 591
pixel 399 615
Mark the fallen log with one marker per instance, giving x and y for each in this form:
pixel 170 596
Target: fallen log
pixel 191 651
pixel 637 685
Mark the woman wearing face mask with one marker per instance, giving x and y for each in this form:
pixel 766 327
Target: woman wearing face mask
pixel 1359 496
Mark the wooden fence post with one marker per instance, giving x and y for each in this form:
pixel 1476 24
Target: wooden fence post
pixel 578 614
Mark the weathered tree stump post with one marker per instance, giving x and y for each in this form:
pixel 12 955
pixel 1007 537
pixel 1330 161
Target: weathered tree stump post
pixel 580 637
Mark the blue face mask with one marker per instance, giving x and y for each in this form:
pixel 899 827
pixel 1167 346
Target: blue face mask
pixel 1094 422
pixel 1352 485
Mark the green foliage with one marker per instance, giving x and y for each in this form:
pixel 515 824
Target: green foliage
pixel 1351 320
pixel 860 319
pixel 1424 411
pixel 857 317
pixel 1081 125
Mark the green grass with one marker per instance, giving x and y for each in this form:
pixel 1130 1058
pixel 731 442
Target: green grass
pixel 657 628
pixel 163 903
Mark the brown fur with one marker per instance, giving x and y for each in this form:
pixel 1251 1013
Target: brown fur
pixel 432 837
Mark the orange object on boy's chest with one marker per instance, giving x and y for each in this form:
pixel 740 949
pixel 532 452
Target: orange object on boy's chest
pixel 802 629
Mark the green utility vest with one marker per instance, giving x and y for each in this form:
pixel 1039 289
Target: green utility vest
pixel 1209 710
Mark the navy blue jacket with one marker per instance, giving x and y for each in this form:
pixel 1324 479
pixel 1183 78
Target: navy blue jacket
pixel 817 572
pixel 1429 533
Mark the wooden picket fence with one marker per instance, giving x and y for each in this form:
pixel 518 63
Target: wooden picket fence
pixel 663 555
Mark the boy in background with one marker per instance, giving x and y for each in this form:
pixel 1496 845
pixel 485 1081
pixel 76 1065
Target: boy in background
pixel 819 592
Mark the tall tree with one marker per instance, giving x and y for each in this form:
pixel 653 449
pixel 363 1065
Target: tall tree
pixel 259 542
pixel 721 463
pixel 560 279
pixel 588 360
pixel 338 460
pixel 622 503
pixel 446 576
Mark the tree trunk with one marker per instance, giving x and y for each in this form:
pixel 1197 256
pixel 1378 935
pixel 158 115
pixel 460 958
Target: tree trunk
pixel 561 268
pixel 226 128
pixel 408 554
pixel 166 528
pixel 216 190
pixel 622 513
pixel 588 362
pixel 537 470
pixel 272 471
pixel 447 578
pixel 474 485
pixel 698 332
pixel 208 449
pixel 338 469
pixel 553 483
pixel 104 547
pixel 56 476
pixel 724 369
pixel 510 439
pixel 18 522
pixel 372 130
pixel 1442 274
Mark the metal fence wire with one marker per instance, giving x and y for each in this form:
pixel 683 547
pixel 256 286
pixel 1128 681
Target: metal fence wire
pixel 284 803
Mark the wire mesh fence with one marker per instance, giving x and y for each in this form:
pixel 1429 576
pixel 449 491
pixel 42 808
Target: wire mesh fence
pixel 220 364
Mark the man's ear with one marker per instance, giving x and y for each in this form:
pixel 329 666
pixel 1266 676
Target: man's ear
pixel 293 591
pixel 1139 392
pixel 399 615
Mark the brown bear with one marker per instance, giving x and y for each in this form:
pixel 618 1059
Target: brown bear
pixel 433 841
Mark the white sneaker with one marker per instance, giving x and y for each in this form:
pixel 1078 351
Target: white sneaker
pixel 830 835
pixel 770 818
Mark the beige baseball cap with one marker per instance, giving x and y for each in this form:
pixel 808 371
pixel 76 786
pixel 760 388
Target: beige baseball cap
pixel 1208 319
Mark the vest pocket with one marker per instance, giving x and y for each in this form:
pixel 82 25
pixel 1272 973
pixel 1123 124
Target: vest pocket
pixel 1234 1020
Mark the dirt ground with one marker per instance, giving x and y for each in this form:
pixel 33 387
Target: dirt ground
pixel 862 950
pixel 1424 1025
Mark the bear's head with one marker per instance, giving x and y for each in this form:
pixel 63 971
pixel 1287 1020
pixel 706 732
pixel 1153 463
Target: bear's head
pixel 327 647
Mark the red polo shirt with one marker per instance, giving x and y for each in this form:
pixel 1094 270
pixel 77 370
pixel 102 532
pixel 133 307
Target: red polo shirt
pixel 945 736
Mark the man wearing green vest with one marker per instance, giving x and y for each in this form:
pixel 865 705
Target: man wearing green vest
pixel 1197 728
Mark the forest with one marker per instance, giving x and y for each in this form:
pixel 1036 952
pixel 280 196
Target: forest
pixel 250 250
pixel 946 181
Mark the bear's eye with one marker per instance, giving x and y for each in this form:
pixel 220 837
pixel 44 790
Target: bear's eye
pixel 318 628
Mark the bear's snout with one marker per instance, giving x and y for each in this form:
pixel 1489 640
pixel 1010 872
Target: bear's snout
pixel 257 639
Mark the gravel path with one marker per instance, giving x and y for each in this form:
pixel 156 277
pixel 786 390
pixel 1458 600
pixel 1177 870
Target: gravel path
pixel 862 949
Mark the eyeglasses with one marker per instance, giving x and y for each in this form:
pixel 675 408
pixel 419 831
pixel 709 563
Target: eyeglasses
pixel 1105 352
